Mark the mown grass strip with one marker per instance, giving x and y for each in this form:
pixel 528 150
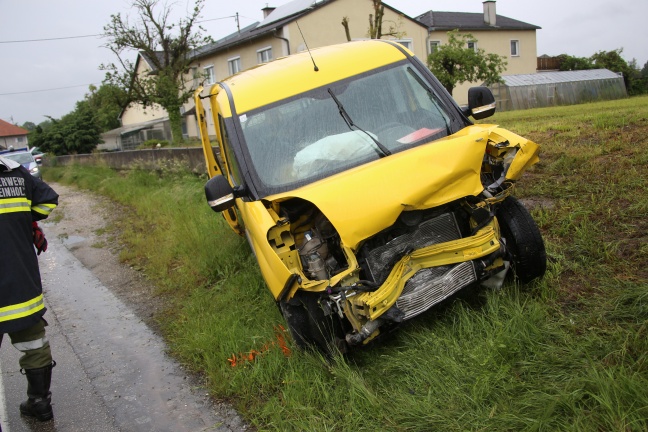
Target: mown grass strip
pixel 569 352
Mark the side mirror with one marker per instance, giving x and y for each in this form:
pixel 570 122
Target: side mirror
pixel 481 102
pixel 219 193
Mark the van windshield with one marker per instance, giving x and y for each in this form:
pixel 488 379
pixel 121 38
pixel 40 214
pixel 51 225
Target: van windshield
pixel 312 136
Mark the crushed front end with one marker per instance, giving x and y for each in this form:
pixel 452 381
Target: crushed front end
pixel 426 255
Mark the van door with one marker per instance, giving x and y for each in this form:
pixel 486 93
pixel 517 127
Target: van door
pixel 214 166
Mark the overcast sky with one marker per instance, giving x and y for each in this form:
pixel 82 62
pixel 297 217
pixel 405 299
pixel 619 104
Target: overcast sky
pixel 48 77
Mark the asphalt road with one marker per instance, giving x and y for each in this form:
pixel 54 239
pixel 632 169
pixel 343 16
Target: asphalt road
pixel 112 372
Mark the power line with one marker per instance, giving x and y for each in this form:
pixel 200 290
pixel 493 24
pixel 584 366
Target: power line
pixel 46 90
pixel 51 39
pixel 94 35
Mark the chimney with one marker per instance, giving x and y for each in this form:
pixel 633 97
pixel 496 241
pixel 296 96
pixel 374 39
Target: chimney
pixel 490 15
pixel 267 10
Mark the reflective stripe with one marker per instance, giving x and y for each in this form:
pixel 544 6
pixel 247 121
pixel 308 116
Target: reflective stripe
pixel 13 205
pixel 31 345
pixel 45 209
pixel 22 309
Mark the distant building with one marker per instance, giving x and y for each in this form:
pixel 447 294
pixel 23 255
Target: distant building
pixel 280 31
pixel 12 136
pixel 557 88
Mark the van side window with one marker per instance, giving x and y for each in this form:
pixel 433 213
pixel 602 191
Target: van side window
pixel 231 165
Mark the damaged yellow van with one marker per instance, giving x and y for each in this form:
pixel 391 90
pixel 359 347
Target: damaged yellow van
pixel 365 192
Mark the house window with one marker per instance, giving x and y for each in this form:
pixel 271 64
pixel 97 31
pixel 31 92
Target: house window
pixel 472 46
pixel 515 48
pixel 234 65
pixel 264 55
pixel 210 77
pixel 407 43
pixel 434 45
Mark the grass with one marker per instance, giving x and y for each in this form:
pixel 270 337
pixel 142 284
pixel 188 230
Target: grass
pixel 567 353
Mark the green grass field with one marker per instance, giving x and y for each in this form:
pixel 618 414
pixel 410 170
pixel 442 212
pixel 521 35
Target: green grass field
pixel 568 352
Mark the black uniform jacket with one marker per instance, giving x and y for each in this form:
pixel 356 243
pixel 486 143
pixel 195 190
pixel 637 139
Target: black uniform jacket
pixel 23 199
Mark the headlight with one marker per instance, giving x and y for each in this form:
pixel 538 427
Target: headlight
pixel 34 170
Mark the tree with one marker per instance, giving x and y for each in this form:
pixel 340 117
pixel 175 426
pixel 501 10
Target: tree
pixel 569 63
pixel 454 63
pixel 376 21
pixel 166 46
pixel 613 61
pixel 76 132
pixel 643 79
pixel 30 126
pixel 634 82
pixel 107 102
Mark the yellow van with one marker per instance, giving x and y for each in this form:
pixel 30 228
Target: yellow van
pixel 365 192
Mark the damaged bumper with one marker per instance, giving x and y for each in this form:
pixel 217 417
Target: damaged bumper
pixel 420 280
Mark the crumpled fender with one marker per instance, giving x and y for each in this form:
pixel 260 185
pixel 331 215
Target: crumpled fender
pixel 527 151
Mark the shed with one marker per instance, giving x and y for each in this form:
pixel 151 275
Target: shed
pixel 557 88
pixel 131 136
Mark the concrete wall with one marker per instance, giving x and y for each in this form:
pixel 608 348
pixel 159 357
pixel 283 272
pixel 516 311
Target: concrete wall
pixel 192 158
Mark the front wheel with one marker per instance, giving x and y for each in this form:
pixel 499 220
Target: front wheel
pixel 310 327
pixel 523 240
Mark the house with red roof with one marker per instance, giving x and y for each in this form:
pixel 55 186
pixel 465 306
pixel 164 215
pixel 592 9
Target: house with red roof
pixel 12 136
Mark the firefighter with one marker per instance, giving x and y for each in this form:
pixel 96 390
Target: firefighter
pixel 24 200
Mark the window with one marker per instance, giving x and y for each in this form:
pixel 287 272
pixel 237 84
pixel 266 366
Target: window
pixel 264 55
pixel 472 46
pixel 210 77
pixel 234 65
pixel 515 48
pixel 407 43
pixel 434 45
pixel 230 160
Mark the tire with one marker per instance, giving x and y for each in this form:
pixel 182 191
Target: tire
pixel 523 240
pixel 310 328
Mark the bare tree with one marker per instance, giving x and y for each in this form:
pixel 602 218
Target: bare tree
pixel 376 20
pixel 166 46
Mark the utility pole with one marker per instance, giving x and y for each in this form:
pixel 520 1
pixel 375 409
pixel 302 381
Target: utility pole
pixel 238 26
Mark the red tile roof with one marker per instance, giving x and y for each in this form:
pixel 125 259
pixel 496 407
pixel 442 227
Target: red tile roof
pixel 7 129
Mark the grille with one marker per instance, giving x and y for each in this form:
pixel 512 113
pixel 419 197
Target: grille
pixel 440 229
pixel 430 286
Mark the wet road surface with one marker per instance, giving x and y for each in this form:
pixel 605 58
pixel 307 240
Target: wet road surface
pixel 112 373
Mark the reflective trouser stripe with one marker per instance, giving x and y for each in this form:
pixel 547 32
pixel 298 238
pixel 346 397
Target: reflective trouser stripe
pixel 44 209
pixel 31 345
pixel 22 309
pixel 13 205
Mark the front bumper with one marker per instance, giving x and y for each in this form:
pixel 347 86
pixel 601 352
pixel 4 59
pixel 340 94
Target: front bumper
pixel 427 276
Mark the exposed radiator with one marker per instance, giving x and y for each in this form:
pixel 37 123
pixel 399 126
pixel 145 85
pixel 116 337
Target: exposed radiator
pixel 430 286
pixel 440 229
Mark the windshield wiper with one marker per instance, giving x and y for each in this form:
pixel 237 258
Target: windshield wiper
pixel 384 151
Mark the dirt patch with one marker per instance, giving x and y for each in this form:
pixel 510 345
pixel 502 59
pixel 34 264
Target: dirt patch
pixel 85 223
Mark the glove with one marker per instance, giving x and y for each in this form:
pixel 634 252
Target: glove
pixel 39 238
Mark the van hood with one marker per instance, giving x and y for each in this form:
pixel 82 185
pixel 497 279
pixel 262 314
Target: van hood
pixel 364 200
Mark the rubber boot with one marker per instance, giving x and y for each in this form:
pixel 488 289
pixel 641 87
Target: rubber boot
pixel 38 403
